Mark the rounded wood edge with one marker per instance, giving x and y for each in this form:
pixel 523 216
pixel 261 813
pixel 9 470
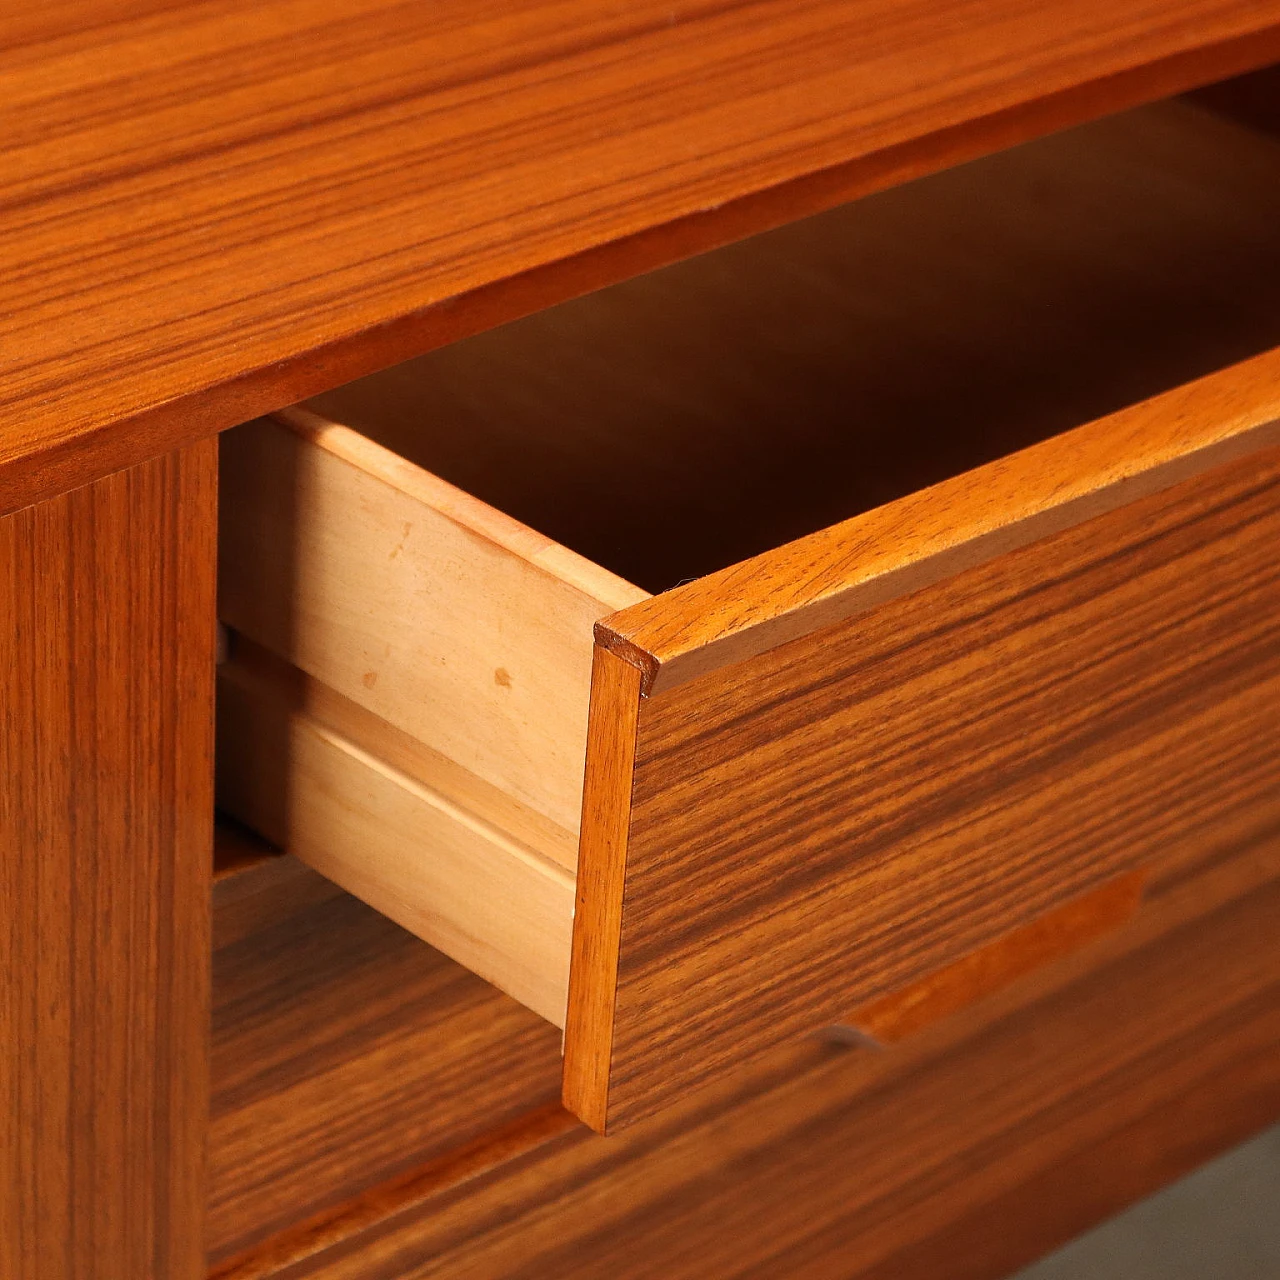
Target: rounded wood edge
pixel 750 608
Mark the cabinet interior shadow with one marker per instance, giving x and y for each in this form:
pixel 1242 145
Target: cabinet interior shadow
pixel 681 421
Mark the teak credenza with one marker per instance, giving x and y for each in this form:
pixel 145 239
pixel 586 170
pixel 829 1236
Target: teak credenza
pixel 636 641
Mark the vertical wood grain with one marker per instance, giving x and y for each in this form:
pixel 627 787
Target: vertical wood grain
pixel 602 856
pixel 106 677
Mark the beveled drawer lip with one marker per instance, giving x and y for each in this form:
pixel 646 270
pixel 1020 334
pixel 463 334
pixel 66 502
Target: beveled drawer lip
pixel 925 536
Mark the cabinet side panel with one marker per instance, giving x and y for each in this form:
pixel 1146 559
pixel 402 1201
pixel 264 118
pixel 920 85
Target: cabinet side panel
pixel 106 678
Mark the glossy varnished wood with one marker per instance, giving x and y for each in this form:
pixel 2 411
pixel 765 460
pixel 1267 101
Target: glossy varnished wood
pixel 214 210
pixel 1056 933
pixel 602 863
pixel 398 593
pixel 348 1055
pixel 693 417
pixel 838 816
pixel 964 1151
pixel 374 1206
pixel 106 685
pixel 927 536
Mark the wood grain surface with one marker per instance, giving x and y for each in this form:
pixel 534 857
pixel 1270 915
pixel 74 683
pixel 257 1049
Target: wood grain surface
pixel 1067 928
pixel 436 613
pixel 481 894
pixel 371 1207
pixel 965 1151
pixel 254 666
pixel 692 417
pixel 925 537
pixel 843 814
pixel 215 210
pixel 602 864
pixel 347 1054
pixel 256 894
pixel 106 665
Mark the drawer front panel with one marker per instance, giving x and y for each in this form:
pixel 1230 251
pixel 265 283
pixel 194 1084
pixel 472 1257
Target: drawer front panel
pixel 835 817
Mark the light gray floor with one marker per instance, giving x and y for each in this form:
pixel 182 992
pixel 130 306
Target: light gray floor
pixel 1221 1223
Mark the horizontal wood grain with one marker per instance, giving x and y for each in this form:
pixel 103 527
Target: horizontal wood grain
pixel 348 1055
pixel 846 813
pixel 397 470
pixel 106 688
pixel 215 211
pixel 456 786
pixel 900 1013
pixel 262 892
pixel 398 592
pixel 967 1151
pixel 831 577
pixel 418 1185
pixel 480 893
pixel 693 417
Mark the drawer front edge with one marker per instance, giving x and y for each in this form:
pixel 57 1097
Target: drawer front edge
pixel 831 818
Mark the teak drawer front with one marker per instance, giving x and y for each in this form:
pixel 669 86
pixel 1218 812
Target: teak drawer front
pixel 822 775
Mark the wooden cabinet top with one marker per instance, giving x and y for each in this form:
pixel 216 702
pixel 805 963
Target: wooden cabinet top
pixel 214 209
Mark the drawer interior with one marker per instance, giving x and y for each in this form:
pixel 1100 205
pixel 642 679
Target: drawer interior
pixel 411 574
pixel 684 420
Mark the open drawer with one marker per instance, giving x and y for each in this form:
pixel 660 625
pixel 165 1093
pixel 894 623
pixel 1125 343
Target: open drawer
pixel 822 760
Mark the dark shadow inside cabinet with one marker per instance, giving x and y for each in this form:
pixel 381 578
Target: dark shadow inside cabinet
pixel 684 420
